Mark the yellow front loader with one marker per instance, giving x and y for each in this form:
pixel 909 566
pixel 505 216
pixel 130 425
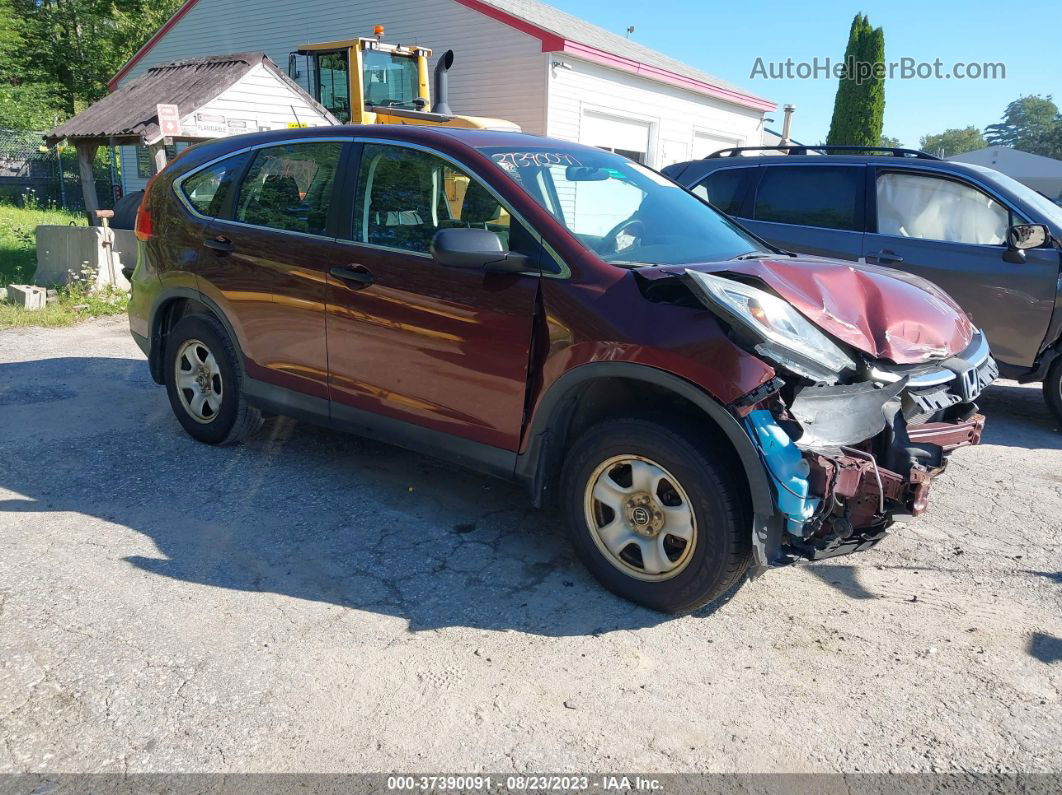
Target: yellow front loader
pixel 366 81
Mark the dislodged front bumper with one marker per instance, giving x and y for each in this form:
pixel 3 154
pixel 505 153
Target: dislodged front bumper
pixel 846 460
pixel 873 495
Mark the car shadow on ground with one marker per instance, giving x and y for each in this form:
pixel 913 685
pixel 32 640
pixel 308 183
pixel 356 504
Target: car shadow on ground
pixel 1017 416
pixel 300 510
pixel 320 515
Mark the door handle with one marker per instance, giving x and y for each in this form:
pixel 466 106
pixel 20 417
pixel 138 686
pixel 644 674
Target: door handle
pixel 219 244
pixel 356 274
pixel 887 257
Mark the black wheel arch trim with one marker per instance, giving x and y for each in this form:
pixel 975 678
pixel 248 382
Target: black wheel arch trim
pixel 168 295
pixel 554 410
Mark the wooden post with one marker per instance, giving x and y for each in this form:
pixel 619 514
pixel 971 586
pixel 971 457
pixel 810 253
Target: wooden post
pixel 158 154
pixel 86 153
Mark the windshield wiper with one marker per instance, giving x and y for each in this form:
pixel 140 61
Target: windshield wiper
pixel 754 255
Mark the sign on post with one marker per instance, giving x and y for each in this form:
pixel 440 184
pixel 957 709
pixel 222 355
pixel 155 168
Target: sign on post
pixel 169 120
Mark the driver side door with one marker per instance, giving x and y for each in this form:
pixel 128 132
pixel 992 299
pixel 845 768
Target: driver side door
pixel 437 355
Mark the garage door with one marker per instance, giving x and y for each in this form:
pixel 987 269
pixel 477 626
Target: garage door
pixel 706 143
pixel 627 137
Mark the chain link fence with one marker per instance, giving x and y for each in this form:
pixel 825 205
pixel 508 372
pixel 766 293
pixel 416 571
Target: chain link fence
pixel 35 176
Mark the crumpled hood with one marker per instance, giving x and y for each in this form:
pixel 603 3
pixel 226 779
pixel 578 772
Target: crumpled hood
pixel 885 313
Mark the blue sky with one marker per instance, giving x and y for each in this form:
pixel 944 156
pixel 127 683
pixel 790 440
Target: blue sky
pixel 724 39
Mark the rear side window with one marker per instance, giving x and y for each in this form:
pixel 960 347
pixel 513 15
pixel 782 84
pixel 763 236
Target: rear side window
pixel 830 197
pixel 289 187
pixel 724 189
pixel 206 190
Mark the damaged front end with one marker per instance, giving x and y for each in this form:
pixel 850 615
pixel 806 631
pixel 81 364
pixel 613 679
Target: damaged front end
pixel 850 441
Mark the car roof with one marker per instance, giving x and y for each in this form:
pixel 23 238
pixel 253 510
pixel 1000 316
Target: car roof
pixel 427 135
pixel 697 168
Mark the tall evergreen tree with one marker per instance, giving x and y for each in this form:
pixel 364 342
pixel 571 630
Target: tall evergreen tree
pixel 859 108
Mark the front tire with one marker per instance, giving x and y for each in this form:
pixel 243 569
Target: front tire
pixel 1053 389
pixel 204 383
pixel 654 515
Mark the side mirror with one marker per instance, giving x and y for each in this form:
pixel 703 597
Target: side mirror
pixel 475 249
pixel 1023 236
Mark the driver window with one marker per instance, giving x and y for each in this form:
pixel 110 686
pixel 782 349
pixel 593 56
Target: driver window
pixel 405 196
pixel 912 205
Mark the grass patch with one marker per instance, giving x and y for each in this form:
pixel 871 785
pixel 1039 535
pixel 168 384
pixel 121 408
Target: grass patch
pixel 18 243
pixel 18 261
pixel 75 303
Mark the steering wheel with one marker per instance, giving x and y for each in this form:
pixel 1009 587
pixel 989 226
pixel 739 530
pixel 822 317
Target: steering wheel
pixel 610 242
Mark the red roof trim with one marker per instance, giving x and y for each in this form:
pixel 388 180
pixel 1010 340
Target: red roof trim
pixel 551 42
pixel 114 81
pixel 578 50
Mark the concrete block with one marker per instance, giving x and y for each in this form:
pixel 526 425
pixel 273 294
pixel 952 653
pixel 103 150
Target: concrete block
pixel 27 296
pixel 65 252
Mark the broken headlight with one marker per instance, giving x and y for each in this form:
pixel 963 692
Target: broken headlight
pixel 779 333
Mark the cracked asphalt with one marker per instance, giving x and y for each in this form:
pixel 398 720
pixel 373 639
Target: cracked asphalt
pixel 315 602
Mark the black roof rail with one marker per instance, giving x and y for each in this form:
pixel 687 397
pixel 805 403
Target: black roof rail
pixel 803 149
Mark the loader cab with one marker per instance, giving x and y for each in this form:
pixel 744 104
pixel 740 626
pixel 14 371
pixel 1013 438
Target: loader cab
pixel 367 81
pixel 361 81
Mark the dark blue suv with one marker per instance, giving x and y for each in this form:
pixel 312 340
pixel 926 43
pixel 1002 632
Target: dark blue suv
pixel 991 242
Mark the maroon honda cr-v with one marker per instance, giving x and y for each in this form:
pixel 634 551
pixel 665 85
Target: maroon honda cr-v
pixel 690 399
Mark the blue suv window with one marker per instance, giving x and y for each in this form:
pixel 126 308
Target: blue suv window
pixel 824 196
pixel 723 189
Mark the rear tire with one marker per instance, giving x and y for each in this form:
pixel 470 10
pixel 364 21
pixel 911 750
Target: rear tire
pixel 629 488
pixel 1053 389
pixel 204 382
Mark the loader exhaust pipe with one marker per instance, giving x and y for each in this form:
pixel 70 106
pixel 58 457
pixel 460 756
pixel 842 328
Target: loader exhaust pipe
pixel 442 85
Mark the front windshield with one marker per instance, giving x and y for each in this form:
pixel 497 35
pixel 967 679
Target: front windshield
pixel 390 80
pixel 1037 201
pixel 622 211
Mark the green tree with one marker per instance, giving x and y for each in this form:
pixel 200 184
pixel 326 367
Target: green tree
pixel 1031 124
pixel 859 107
pixel 953 141
pixel 65 51
pixel 888 140
pixel 27 96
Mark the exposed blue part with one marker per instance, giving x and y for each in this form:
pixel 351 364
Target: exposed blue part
pixel 787 467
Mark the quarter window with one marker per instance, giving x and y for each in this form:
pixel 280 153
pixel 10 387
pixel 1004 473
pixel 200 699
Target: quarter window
pixel 723 189
pixel 405 196
pixel 206 189
pixel 822 196
pixel 913 205
pixel 290 187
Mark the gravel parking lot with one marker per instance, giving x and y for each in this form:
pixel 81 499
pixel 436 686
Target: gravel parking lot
pixel 316 602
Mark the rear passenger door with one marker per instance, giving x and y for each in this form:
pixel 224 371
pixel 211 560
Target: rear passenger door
pixel 265 261
pixel 811 209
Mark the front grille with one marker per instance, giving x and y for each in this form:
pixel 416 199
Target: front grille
pixel 934 388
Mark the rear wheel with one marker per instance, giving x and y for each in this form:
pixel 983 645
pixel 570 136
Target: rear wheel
pixel 203 381
pixel 1053 388
pixel 653 516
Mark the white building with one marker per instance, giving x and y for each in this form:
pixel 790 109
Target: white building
pixel 521 60
pixel 1038 172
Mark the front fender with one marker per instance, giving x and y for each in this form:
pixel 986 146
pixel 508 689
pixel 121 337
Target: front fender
pixel 545 444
